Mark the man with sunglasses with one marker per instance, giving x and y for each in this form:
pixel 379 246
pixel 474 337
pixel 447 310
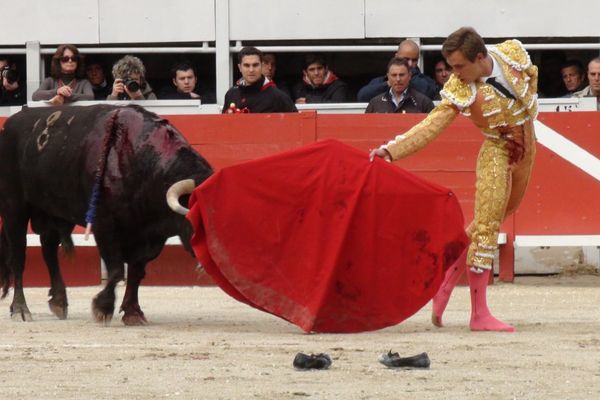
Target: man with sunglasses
pixel 408 50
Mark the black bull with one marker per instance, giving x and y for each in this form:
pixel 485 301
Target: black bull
pixel 49 161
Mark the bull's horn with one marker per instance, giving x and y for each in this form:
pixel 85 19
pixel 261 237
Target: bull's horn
pixel 177 190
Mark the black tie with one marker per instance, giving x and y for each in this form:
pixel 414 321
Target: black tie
pixel 500 87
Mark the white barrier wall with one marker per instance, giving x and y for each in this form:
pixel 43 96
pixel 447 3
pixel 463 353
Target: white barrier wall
pixel 160 21
pixel 148 21
pixel 292 19
pixel 57 21
pixel 491 18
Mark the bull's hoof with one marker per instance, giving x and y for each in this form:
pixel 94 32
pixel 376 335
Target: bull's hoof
pixel 20 313
pixel 101 317
pixel 134 319
pixel 133 315
pixel 61 311
pixel 102 313
pixel 58 303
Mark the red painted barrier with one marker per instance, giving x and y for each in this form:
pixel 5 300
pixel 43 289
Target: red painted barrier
pixel 561 198
pixel 83 269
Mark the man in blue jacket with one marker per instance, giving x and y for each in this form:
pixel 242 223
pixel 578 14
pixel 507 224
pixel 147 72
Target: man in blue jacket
pixel 408 50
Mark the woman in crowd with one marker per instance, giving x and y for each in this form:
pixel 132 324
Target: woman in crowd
pixel 66 83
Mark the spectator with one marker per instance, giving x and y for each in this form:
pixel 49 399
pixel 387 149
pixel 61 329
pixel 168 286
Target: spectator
pixel 573 76
pixel 549 85
pixel 441 71
pixel 130 81
pixel 11 90
pixel 269 68
pixel 319 84
pixel 421 82
pixel 66 83
pixel 593 75
pixel 401 97
pixel 185 84
pixel 94 71
pixel 254 92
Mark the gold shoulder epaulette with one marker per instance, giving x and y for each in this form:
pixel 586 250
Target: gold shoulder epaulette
pixel 513 53
pixel 459 93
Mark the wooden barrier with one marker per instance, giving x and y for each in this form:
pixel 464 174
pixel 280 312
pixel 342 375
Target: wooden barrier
pixel 561 199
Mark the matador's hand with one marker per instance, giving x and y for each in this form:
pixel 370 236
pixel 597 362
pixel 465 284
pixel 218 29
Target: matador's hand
pixel 382 153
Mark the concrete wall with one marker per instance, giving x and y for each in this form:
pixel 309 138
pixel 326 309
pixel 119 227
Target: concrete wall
pixel 159 21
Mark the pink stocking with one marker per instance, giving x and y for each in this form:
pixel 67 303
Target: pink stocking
pixel 440 300
pixel 481 317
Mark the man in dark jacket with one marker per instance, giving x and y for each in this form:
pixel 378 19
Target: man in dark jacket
pixel 94 72
pixel 254 93
pixel 186 85
pixel 401 97
pixel 319 84
pixel 419 81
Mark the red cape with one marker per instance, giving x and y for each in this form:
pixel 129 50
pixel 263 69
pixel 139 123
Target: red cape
pixel 325 239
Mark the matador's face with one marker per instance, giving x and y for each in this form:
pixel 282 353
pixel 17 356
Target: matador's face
pixel 466 70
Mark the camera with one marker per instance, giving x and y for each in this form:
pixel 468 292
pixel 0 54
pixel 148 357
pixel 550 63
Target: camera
pixel 10 74
pixel 131 85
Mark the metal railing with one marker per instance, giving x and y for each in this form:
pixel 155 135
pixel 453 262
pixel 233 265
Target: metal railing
pixel 223 50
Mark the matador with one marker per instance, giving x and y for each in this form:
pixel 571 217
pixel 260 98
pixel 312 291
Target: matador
pixel 497 90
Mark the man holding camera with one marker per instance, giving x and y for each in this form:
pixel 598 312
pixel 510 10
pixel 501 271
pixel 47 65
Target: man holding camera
pixel 130 81
pixel 11 93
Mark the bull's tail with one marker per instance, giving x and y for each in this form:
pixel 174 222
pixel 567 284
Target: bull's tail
pixel 112 128
pixel 5 271
pixel 66 242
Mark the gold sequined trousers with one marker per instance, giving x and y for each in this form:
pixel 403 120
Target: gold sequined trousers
pixel 503 171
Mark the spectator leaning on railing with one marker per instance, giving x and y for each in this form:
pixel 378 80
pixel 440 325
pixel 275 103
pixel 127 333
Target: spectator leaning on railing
pixel 95 73
pixel 11 90
pixel 130 80
pixel 253 92
pixel 573 76
pixel 319 84
pixel 400 96
pixel 185 85
pixel 409 50
pixel 593 89
pixel 66 83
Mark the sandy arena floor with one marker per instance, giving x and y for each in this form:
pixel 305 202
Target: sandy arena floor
pixel 200 344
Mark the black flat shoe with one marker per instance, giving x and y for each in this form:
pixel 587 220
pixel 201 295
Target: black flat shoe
pixel 393 360
pixel 313 361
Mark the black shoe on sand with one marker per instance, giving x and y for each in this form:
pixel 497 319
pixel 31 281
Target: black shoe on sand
pixel 393 360
pixel 313 361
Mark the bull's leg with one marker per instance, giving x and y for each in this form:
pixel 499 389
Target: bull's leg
pixel 58 294
pixel 5 272
pixel 16 232
pixel 132 313
pixel 103 305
